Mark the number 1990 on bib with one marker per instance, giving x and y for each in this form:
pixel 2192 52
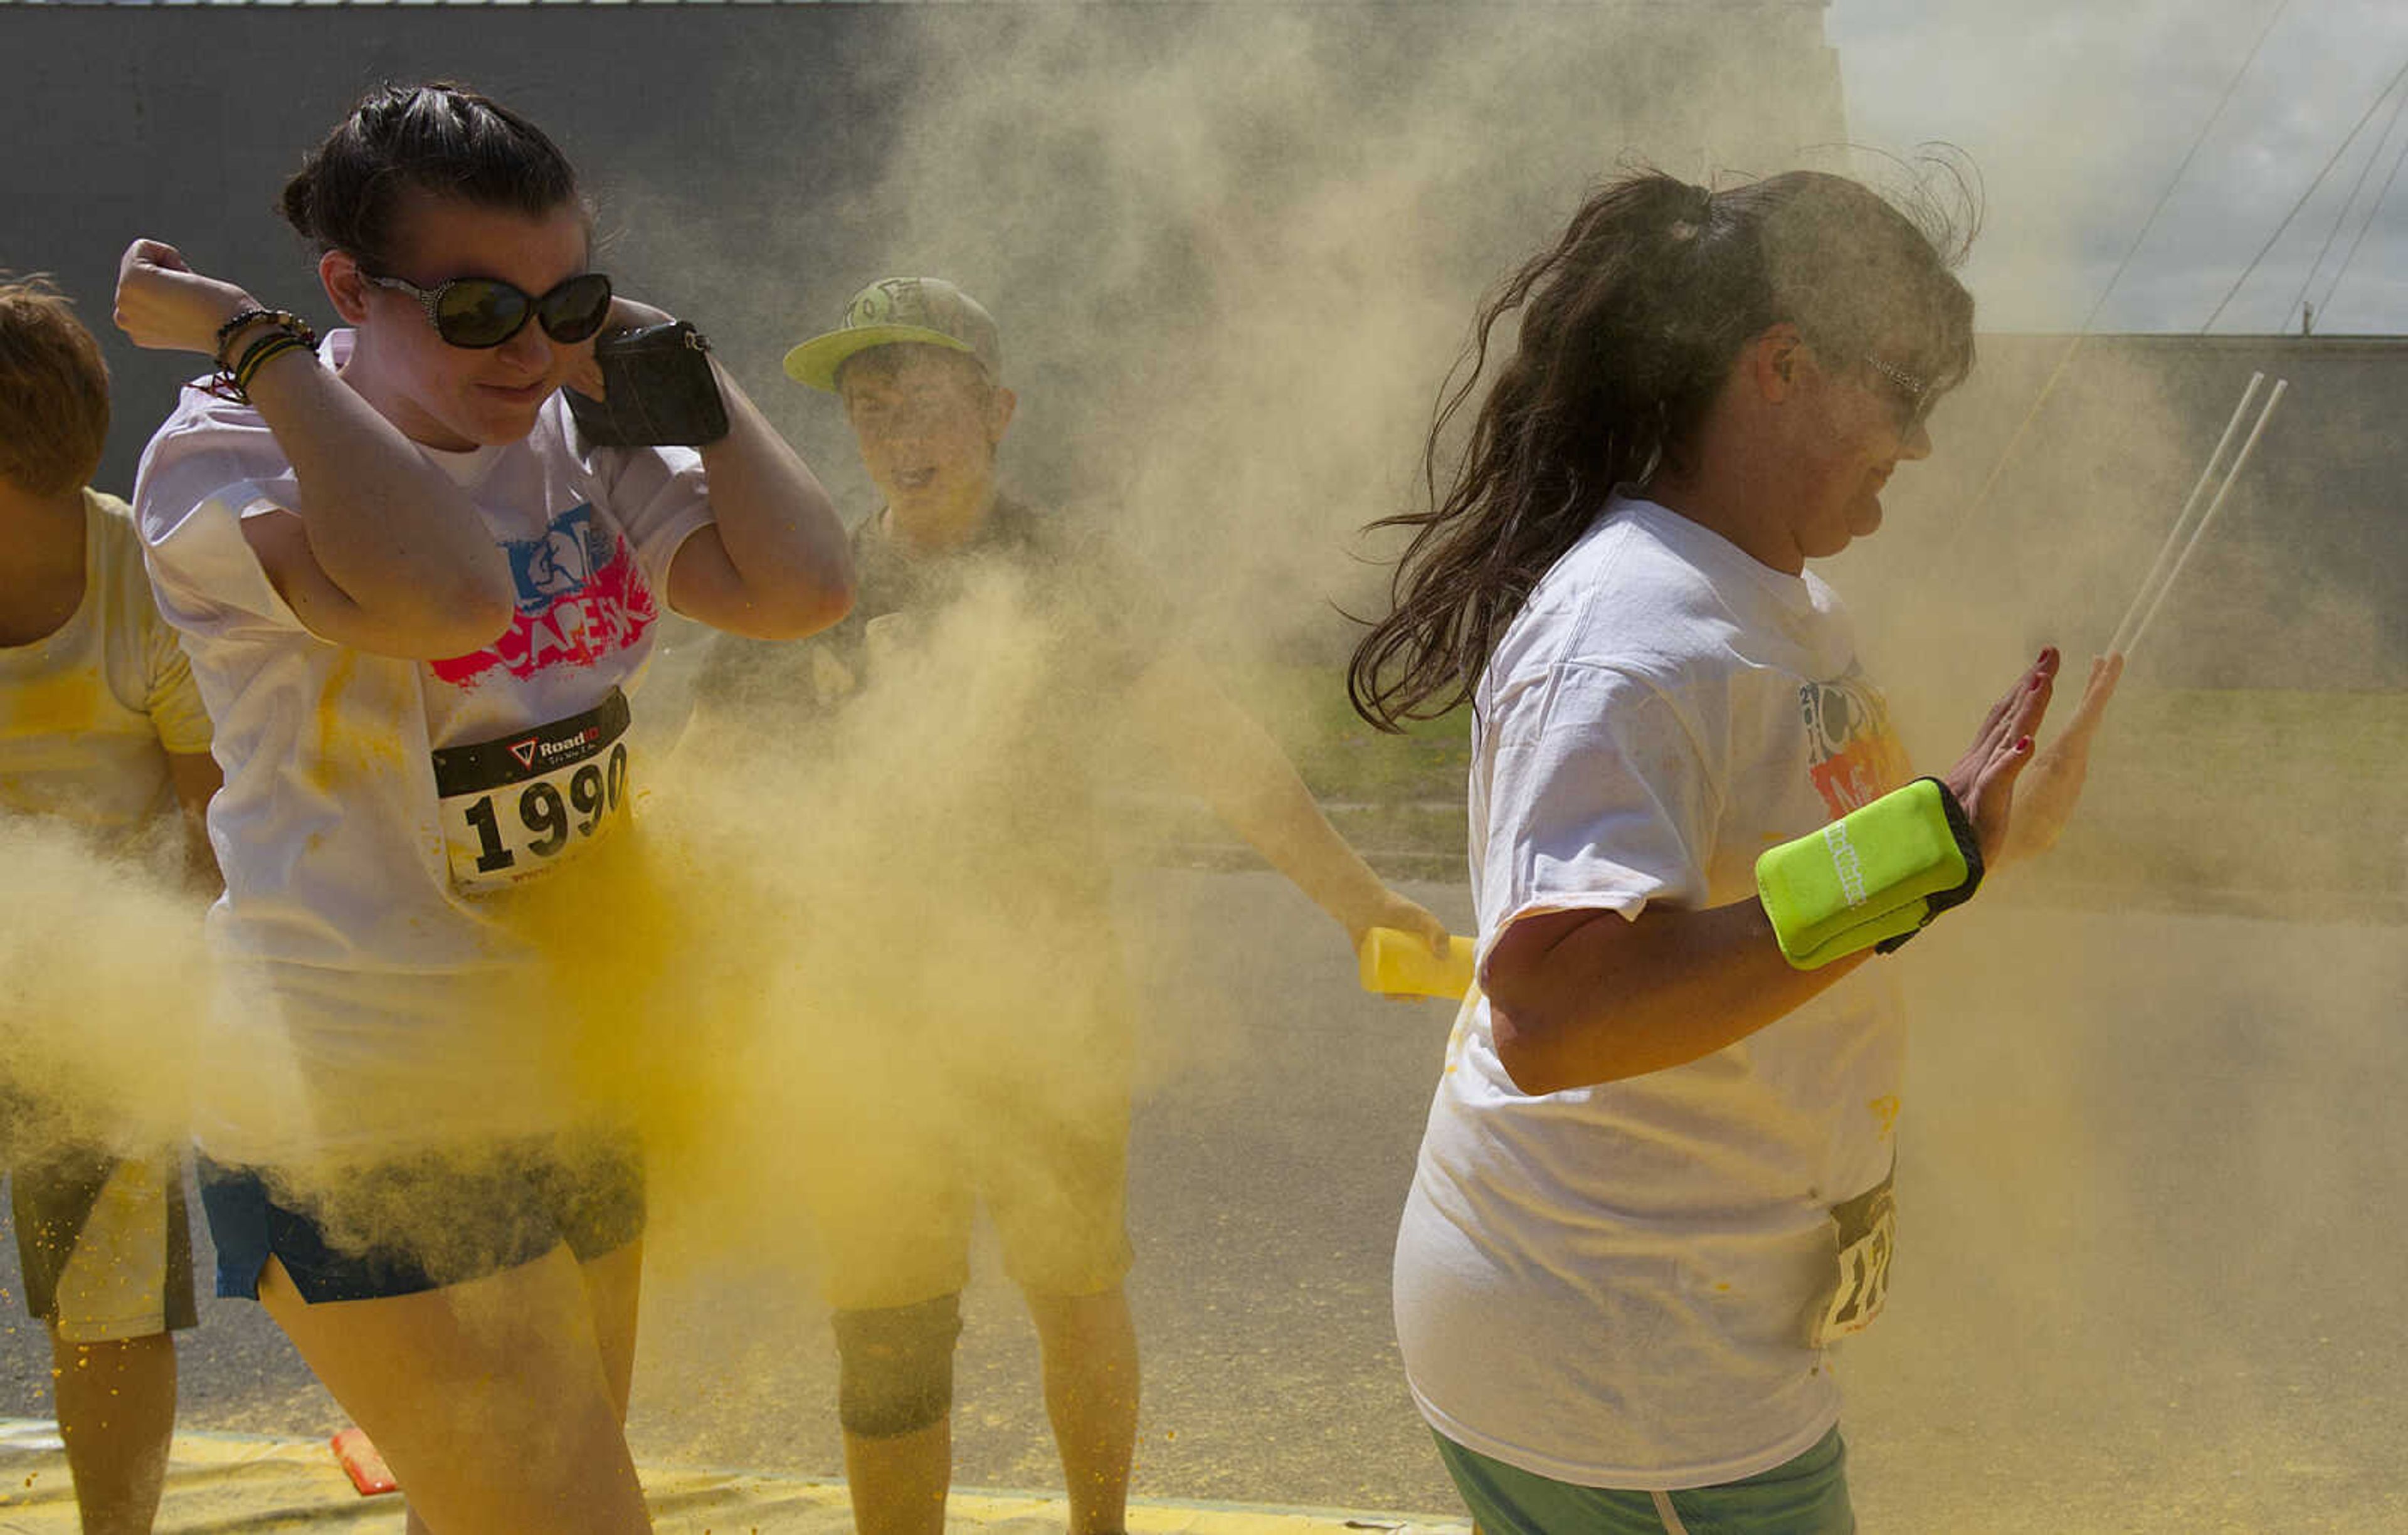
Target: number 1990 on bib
pixel 516 805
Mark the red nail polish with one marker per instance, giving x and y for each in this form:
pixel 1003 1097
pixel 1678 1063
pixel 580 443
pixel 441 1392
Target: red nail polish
pixel 2023 744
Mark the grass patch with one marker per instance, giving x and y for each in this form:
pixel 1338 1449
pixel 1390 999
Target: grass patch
pixel 2247 799
pixel 1344 759
pixel 2285 793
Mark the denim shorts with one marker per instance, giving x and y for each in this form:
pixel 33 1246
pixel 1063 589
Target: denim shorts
pixel 406 1225
pixel 1807 1496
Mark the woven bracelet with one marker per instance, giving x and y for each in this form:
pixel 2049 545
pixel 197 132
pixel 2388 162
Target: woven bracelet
pixel 285 319
pixel 260 354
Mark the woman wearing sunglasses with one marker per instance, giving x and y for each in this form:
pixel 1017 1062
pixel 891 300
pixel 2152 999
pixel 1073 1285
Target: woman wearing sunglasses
pixel 417 600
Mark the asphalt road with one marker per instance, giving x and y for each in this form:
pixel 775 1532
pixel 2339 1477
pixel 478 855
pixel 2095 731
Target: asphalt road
pixel 2151 1249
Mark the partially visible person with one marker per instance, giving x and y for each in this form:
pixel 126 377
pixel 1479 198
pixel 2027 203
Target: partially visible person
pixel 419 596
pixel 1041 1136
pixel 101 730
pixel 1654 1193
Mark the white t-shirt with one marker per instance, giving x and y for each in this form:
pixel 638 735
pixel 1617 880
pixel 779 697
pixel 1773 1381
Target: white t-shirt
pixel 1617 1285
pixel 89 712
pixel 352 903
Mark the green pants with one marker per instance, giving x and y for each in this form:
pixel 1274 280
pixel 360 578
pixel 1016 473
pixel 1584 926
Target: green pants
pixel 1807 1496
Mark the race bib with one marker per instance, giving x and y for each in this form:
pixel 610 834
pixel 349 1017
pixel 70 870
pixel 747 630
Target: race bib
pixel 521 805
pixel 1866 1230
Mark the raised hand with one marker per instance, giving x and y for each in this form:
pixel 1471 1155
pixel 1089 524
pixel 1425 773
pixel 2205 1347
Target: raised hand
pixel 164 305
pixel 626 315
pixel 1983 778
pixel 1390 909
pixel 2045 800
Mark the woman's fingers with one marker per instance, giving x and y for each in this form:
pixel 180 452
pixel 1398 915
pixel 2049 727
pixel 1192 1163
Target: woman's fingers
pixel 586 378
pixel 135 270
pixel 2031 705
pixel 2030 700
pixel 1433 932
pixel 2045 801
pixel 2014 714
pixel 1983 778
pixel 1990 722
pixel 163 305
pixel 157 253
pixel 628 314
pixel 2105 672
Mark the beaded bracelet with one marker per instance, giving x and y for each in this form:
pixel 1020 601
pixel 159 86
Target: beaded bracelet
pixel 285 319
pixel 232 380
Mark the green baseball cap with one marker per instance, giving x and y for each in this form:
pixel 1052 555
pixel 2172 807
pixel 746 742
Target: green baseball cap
pixel 924 309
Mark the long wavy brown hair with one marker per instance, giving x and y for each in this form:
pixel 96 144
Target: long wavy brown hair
pixel 1626 329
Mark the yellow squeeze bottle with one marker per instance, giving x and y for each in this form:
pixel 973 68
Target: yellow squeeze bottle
pixel 1396 963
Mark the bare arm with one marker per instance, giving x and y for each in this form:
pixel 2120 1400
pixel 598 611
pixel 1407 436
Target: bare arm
pixel 1227 759
pixel 2045 799
pixel 774 563
pixel 384 553
pixel 1582 998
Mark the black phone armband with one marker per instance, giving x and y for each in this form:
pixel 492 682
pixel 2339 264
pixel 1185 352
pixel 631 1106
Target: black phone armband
pixel 657 387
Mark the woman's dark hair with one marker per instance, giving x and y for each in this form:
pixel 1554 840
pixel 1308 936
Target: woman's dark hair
pixel 1627 328
pixel 437 138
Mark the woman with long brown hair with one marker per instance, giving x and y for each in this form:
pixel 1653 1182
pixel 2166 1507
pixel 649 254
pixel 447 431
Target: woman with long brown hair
pixel 1656 1183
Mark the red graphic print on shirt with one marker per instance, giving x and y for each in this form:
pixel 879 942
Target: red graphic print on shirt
pixel 580 598
pixel 1855 757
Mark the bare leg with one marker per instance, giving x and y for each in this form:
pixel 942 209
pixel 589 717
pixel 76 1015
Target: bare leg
pixel 899 1481
pixel 116 1405
pixel 613 1284
pixel 1090 1392
pixel 490 1399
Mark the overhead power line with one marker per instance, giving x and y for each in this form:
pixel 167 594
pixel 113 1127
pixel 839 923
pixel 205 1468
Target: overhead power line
pixel 2364 118
pixel 2056 374
pixel 2325 303
pixel 2341 215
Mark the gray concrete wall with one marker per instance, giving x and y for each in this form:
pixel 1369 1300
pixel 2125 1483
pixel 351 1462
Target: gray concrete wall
pixel 756 164
pixel 182 123
pixel 2301 581
pixel 736 149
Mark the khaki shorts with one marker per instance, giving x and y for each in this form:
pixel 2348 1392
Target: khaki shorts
pixel 105 1245
pixel 900 1181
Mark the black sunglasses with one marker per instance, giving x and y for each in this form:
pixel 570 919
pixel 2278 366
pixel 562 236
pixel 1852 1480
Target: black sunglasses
pixel 479 313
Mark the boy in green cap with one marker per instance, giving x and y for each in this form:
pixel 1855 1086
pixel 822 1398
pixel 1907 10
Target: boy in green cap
pixel 918 366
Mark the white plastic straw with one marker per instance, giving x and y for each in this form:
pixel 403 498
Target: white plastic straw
pixel 2182 523
pixel 2208 516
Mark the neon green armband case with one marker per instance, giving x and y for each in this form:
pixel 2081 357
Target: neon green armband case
pixel 1872 878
